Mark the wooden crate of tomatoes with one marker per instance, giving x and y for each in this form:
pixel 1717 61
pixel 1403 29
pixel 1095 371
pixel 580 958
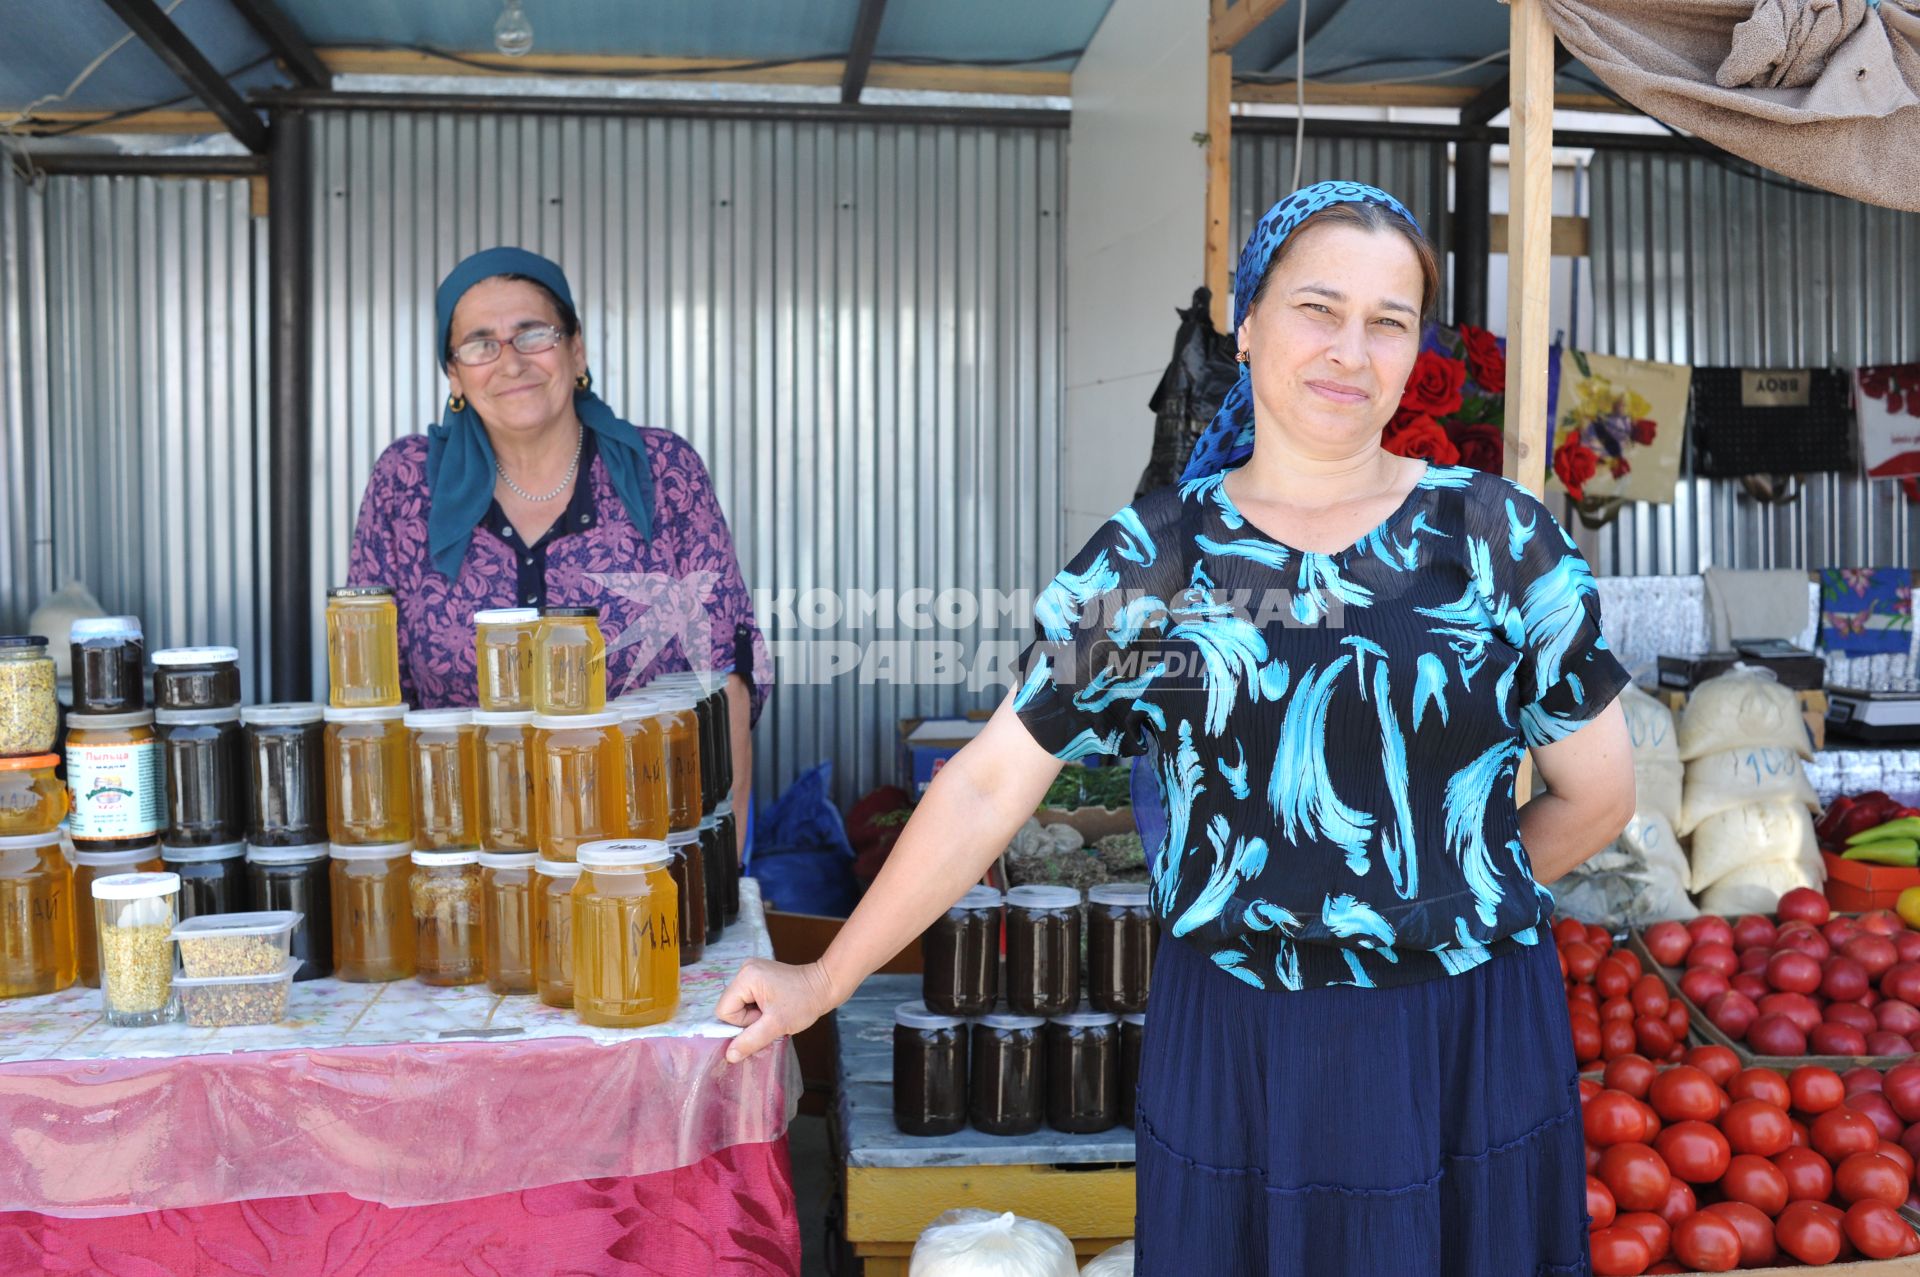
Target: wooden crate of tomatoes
pixel 1617 1006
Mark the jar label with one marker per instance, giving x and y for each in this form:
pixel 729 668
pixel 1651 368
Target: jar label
pixel 116 789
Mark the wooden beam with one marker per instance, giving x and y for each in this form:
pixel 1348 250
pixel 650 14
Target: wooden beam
pixel 1529 242
pixel 866 33
pixel 1570 236
pixel 187 123
pixel 1232 25
pixel 1218 254
pixel 1319 93
pixel 1490 101
pixel 288 42
pixel 157 31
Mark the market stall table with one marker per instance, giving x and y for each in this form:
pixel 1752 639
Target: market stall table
pixel 401 1127
pixel 895 1183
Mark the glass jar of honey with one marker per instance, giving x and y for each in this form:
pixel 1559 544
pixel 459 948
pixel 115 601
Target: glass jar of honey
pixel 88 865
pixel 29 712
pixel 445 779
pixel 203 765
pixel 113 774
pixel 196 678
pixel 372 911
pixel 108 661
pixel 689 875
pixel 553 930
pixel 507 905
pixel 569 662
pixel 447 917
pixel 506 773
pixel 626 959
pixel 287 772
pixel 38 931
pixel 33 800
pixel 713 873
pixel 363 646
pixel 504 637
pixel 369 790
pixel 682 729
pixel 730 857
pixel 646 738
pixel 580 792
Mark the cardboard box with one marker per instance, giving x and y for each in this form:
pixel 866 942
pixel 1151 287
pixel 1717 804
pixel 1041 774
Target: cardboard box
pixel 927 743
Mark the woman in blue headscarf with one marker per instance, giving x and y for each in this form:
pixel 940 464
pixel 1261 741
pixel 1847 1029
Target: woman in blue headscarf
pixel 1357 1054
pixel 531 492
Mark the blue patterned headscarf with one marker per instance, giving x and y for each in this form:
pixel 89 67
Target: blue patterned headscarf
pixel 460 462
pixel 1228 438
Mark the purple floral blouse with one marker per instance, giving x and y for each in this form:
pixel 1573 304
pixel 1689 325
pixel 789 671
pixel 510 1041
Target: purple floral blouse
pixel 671 603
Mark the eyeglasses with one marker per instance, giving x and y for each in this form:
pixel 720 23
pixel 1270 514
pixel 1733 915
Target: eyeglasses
pixel 528 341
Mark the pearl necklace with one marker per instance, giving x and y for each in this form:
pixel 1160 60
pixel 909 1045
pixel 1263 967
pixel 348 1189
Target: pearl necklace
pixel 579 447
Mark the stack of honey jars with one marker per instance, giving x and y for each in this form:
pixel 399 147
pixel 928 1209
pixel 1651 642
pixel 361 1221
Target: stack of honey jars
pixel 370 802
pixel 37 914
pixel 204 783
pixel 505 777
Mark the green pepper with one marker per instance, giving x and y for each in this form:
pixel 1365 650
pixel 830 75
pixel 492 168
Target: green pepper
pixel 1903 827
pixel 1901 852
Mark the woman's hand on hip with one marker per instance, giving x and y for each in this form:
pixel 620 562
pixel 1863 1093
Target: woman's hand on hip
pixel 773 1000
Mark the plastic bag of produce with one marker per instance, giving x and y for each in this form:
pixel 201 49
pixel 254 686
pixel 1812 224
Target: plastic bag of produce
pixel 979 1243
pixel 1115 1261
pixel 1746 706
pixel 1657 769
pixel 1757 888
pixel 1754 834
pixel 1736 777
pixel 1638 879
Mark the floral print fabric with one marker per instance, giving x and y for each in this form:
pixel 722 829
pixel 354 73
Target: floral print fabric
pixel 668 603
pixel 1338 733
pixel 1454 409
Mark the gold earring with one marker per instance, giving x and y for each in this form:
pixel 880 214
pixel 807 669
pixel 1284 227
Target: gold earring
pixel 456 403
pixel 1241 357
pixel 584 381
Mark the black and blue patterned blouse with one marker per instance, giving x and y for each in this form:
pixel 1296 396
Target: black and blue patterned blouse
pixel 1337 734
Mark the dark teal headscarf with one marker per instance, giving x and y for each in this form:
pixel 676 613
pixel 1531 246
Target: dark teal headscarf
pixel 460 462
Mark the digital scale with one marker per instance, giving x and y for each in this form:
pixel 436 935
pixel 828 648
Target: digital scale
pixel 1890 715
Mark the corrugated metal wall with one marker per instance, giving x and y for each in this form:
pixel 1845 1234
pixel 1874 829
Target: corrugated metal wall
pixel 135 375
pixel 1694 263
pixel 857 326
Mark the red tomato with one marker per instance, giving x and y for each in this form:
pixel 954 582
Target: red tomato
pixel 1613 1117
pixel 1637 1176
pixel 1800 1137
pixel 1632 1074
pixel 1616 1037
pixel 1900 1157
pixel 1584 996
pixel 1685 1094
pixel 1694 1151
pixel 1649 1122
pixel 1616 1008
pixel 1877 1230
pixel 1626 958
pixel 1840 1133
pixel 1869 1176
pixel 1755 1181
pixel 1756 1232
pixel 1586 1039
pixel 1680 1202
pixel 1809 1177
pixel 1815 1089
pixel 1600 1204
pixel 1652 1229
pixel 1679 1020
pixel 1712 956
pixel 1901 1086
pixel 1588 1089
pixel 1654 1037
pixel 1599 937
pixel 1755 1126
pixel 1707 1243
pixel 1610 978
pixel 1874 1105
pixel 1650 995
pixel 1805 1232
pixel 1581 960
pixel 1569 931
pixel 1619 1253
pixel 1761 1084
pixel 1717 1062
pixel 1668 942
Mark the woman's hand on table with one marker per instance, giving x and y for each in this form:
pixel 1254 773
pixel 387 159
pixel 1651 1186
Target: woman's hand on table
pixel 772 1000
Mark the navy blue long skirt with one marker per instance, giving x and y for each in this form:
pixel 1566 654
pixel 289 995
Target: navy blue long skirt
pixel 1431 1130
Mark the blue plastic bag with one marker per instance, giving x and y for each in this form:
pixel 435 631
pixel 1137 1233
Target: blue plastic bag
pixel 800 853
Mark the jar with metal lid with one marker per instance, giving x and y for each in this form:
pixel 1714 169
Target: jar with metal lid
pixel 372 911
pixel 363 647
pixel 29 714
pixel 212 879
pixel 960 956
pixel 204 777
pixel 109 658
pixel 504 659
pixel 38 930
pixel 447 918
pixel 553 885
pixel 683 760
pixel 506 902
pixel 87 866
pixel 286 752
pixel 646 739
pixel 445 779
pixel 1133 1029
pixel 295 879
pixel 1122 938
pixel 1043 950
pixel 505 771
pixel 33 799
pixel 1083 1072
pixel 713 879
pixel 580 794
pixel 569 662
pixel 113 774
pixel 929 1070
pixel 196 678
pixel 626 959
pixel 690 882
pixel 369 794
pixel 730 852
pixel 1006 1083
pixel 133 914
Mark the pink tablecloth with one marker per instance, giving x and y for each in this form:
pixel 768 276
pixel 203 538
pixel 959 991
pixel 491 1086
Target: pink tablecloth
pixel 729 1213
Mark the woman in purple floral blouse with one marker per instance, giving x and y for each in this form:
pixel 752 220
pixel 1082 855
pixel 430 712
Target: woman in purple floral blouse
pixel 530 492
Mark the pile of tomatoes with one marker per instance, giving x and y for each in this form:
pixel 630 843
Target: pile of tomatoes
pixel 1705 1167
pixel 1808 983
pixel 1616 1007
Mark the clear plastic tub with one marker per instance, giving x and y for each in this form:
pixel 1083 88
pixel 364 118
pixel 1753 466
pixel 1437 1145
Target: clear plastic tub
pixel 219 1002
pixel 134 917
pixel 236 944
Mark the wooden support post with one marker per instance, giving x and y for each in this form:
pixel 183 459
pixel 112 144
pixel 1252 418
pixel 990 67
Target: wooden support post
pixel 1219 245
